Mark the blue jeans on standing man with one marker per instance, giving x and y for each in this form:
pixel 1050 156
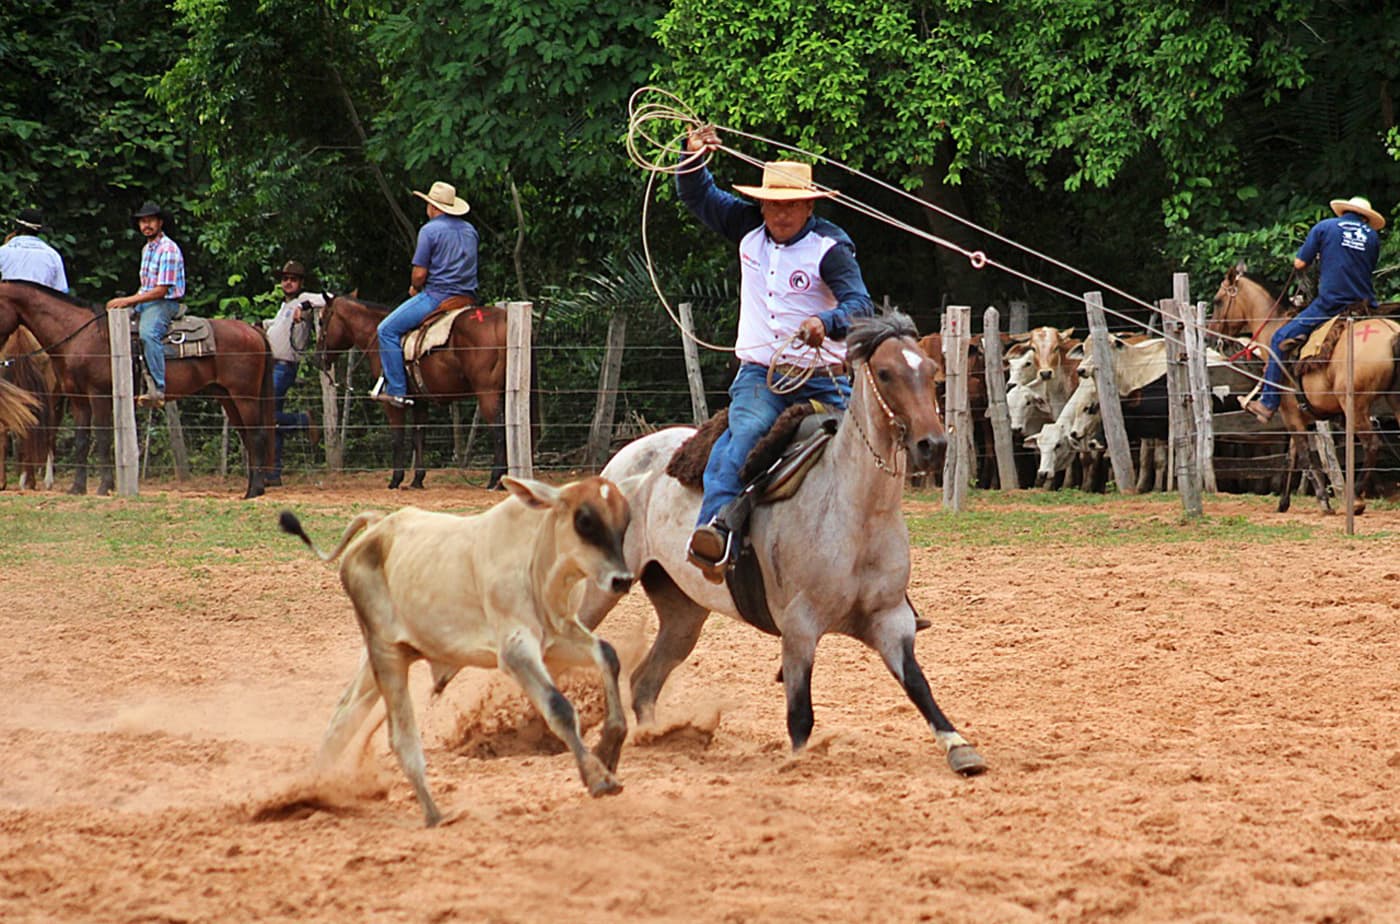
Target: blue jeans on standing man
pixel 752 410
pixel 284 375
pixel 155 318
pixel 1302 324
pixel 391 333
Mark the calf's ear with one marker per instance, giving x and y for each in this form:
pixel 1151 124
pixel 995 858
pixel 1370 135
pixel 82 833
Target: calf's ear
pixel 534 494
pixel 630 485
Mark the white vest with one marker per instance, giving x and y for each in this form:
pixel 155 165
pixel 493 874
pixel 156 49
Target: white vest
pixel 781 286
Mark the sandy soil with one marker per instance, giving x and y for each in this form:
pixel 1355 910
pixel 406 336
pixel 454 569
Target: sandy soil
pixel 1169 739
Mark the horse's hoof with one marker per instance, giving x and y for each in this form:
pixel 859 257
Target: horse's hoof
pixel 965 760
pixel 416 486
pixel 607 786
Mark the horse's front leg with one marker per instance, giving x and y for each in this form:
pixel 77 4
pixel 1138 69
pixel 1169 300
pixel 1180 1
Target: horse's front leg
pixel 102 424
pixel 800 635
pixel 420 427
pixel 82 443
pixel 396 446
pixel 892 634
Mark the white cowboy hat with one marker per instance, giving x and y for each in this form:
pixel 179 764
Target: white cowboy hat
pixel 444 196
pixel 783 181
pixel 1361 206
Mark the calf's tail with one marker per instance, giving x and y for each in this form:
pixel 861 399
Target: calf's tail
pixel 292 526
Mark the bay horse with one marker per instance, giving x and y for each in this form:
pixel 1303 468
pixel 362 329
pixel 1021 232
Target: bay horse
pixel 834 557
pixel 1245 308
pixel 472 362
pixel 238 375
pixel 27 366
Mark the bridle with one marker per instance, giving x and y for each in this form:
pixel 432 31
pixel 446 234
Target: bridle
pixel 1233 290
pixel 891 420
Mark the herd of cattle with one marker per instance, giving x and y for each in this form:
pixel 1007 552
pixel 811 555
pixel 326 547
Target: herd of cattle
pixel 1052 397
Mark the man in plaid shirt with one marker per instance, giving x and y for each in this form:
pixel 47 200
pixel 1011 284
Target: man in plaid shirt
pixel 158 300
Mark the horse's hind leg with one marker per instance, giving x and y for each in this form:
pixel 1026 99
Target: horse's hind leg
pixel 244 416
pixel 681 621
pixel 892 635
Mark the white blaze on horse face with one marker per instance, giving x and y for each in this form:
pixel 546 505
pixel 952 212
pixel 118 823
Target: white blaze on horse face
pixel 913 357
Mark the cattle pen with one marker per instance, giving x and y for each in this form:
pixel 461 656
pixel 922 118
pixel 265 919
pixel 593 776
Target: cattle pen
pixel 1177 727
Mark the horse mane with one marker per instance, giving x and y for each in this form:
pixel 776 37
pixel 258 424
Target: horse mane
pixel 61 296
pixel 868 333
pixel 366 303
pixel 1270 287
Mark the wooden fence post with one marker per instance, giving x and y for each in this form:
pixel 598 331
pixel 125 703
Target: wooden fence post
pixel 1350 405
pixel 123 404
pixel 332 439
pixel 998 414
pixel 957 464
pixel 699 407
pixel 518 359
pixel 1020 320
pixel 1115 432
pixel 605 408
pixel 1183 441
pixel 1200 389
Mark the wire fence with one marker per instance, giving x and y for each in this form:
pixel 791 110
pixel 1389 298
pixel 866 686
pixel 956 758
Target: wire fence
pixel 653 392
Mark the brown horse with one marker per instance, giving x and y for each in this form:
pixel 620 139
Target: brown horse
pixel 26 365
pixel 1244 308
pixel 238 375
pixel 472 362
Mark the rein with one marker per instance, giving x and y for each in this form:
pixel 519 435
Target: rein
pixel 53 346
pixel 1234 291
pixel 890 419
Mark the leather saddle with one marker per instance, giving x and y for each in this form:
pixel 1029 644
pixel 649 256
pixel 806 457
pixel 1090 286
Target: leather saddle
pixel 189 337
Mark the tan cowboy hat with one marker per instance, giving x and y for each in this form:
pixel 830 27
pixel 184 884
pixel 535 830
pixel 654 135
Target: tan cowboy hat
pixel 444 196
pixel 1361 206
pixel 785 180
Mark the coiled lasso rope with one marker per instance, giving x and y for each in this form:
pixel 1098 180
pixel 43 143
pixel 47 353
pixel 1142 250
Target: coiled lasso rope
pixel 661 121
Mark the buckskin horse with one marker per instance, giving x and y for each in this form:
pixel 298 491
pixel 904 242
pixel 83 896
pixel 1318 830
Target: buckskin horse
pixel 1245 308
pixel 238 375
pixel 834 557
pixel 472 362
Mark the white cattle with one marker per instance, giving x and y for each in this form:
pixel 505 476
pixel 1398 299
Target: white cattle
pixel 499 589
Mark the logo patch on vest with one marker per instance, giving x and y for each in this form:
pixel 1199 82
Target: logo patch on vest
pixel 800 281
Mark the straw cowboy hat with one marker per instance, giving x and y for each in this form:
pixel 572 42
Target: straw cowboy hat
pixel 1361 206
pixel 444 196
pixel 785 181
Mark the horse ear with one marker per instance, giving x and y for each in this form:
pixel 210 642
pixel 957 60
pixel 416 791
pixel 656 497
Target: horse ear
pixel 1238 270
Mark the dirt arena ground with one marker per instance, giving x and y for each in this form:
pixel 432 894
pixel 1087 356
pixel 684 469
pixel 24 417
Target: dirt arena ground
pixel 1170 738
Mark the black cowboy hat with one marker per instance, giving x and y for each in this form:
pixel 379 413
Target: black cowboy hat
pixel 30 220
pixel 148 209
pixel 291 268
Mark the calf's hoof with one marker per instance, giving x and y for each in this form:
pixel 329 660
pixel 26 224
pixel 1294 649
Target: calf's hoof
pixel 965 760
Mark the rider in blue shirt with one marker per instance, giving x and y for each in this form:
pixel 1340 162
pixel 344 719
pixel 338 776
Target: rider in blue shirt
pixel 444 265
pixel 1346 248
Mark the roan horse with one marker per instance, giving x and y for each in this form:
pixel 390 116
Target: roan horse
pixel 1244 308
pixel 472 362
pixel 24 363
pixel 238 375
pixel 835 557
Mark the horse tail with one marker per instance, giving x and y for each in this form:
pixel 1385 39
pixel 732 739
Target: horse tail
pixel 17 408
pixel 292 526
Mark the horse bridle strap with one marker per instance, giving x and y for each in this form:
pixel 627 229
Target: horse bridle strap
pixel 53 346
pixel 890 419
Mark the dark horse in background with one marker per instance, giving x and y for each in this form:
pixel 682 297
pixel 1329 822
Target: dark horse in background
pixel 472 362
pixel 24 363
pixel 238 375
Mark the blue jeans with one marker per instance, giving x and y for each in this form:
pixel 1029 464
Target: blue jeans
pixel 391 332
pixel 155 322
pixel 1302 324
pixel 752 410
pixel 284 375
